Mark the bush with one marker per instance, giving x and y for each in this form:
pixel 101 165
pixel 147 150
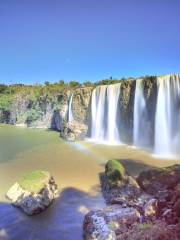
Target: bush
pixel 3 88
pixel 5 102
pixel 74 84
pixel 33 115
pixel 88 84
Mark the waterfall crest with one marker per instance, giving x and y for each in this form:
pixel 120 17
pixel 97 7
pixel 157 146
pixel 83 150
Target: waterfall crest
pixel 70 113
pixel 104 110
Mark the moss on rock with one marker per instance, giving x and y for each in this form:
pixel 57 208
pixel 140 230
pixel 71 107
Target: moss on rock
pixel 115 173
pixel 33 181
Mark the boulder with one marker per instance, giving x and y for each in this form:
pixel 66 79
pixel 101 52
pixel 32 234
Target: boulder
pixel 117 185
pixel 74 131
pixel 96 228
pixel 159 179
pixel 107 223
pixel 34 192
pixel 115 173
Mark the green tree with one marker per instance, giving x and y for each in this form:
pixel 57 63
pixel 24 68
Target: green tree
pixel 88 84
pixel 74 84
pixel 46 83
pixel 3 87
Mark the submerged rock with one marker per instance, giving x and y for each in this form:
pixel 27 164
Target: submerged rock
pixel 34 192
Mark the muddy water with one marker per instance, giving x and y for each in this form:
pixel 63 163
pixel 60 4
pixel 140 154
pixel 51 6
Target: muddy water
pixel 75 167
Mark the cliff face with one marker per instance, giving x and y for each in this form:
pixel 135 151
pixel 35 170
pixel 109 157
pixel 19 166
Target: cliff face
pixel 47 111
pixel 40 113
pixel 126 106
pixel 81 104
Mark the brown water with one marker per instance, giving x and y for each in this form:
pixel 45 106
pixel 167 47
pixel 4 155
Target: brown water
pixel 75 167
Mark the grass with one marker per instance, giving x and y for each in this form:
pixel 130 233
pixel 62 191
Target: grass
pixel 33 181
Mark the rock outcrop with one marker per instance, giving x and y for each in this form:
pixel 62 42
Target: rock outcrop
pixel 77 129
pixel 50 111
pixel 117 185
pixel 34 192
pixel 73 131
pixel 105 224
pixel 153 213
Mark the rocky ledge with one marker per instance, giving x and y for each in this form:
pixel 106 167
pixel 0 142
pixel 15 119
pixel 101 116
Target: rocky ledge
pixel 34 192
pixel 73 131
pixel 146 208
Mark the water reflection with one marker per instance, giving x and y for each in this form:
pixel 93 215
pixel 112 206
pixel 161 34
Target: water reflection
pixel 62 220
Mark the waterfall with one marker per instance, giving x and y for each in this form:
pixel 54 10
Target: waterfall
pixel 104 109
pixel 70 114
pixel 156 122
pixel 167 119
pixel 113 92
pixel 98 113
pixel 141 127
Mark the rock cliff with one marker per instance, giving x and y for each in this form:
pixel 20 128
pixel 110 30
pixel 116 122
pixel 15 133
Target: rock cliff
pixel 51 110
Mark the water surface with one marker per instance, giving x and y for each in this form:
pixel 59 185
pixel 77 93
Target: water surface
pixel 75 167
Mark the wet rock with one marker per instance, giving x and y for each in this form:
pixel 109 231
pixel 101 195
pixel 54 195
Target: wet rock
pixel 34 192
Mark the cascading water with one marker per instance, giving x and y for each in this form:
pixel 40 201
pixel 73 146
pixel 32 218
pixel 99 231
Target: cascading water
pixel 113 93
pixel 141 136
pixel 156 122
pixel 167 119
pixel 104 109
pixel 98 113
pixel 70 114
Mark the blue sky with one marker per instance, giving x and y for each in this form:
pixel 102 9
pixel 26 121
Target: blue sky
pixel 87 39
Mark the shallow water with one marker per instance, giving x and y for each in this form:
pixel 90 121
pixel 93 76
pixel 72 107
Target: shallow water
pixel 75 167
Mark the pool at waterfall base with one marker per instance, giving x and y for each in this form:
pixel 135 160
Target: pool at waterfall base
pixel 75 166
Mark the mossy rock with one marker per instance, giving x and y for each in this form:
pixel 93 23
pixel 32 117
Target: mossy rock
pixel 115 173
pixel 34 181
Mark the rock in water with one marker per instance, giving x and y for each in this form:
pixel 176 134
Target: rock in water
pixel 117 185
pixel 34 192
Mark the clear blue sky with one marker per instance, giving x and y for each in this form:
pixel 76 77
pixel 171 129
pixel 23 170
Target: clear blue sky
pixel 87 39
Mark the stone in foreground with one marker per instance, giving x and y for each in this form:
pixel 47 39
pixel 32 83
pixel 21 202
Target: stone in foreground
pixel 107 223
pixel 34 192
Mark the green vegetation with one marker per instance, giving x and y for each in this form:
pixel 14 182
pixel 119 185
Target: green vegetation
pixel 33 114
pixel 115 173
pixel 33 181
pixel 37 96
pixel 5 102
